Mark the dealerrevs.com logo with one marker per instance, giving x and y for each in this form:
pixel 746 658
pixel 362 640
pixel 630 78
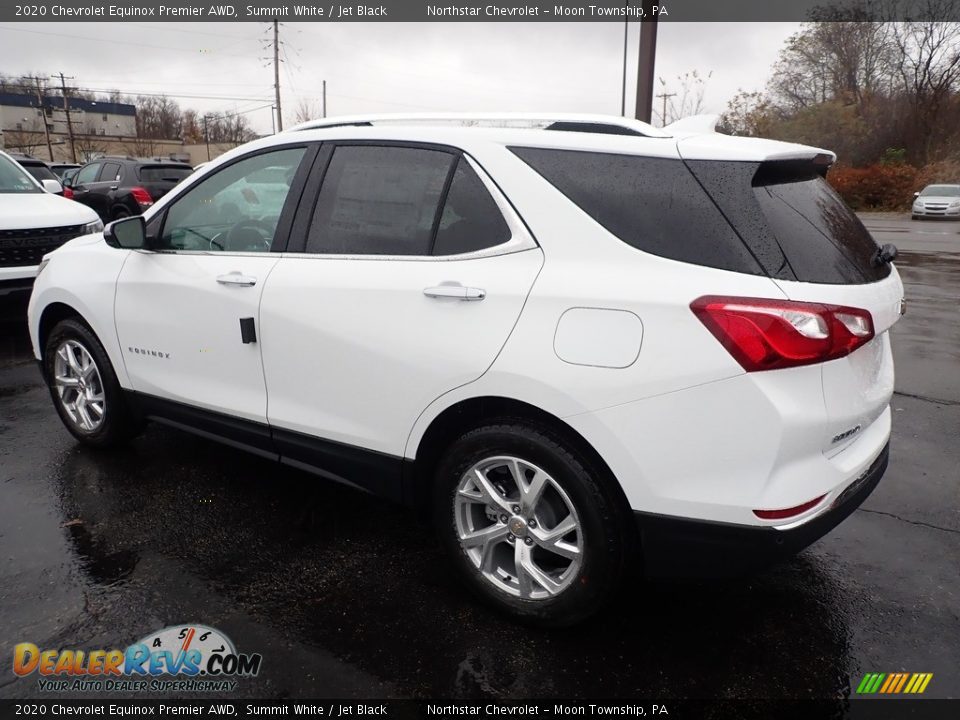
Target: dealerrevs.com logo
pixel 179 658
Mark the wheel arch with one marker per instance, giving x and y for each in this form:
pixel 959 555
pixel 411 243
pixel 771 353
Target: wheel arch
pixel 61 309
pixel 470 413
pixel 51 315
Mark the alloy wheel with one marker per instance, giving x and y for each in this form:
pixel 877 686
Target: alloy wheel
pixel 518 527
pixel 79 386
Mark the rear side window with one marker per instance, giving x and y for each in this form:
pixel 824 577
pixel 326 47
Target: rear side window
pixel 799 227
pixel 471 220
pixel 163 173
pixel 653 204
pixel 110 172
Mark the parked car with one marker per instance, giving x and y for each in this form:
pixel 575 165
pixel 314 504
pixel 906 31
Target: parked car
pixel 61 169
pixel 936 201
pixel 33 222
pixel 39 170
pixel 117 187
pixel 567 343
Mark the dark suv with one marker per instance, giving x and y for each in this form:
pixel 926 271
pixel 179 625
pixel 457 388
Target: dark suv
pixel 118 187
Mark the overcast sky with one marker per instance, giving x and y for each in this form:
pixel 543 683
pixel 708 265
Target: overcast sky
pixel 391 67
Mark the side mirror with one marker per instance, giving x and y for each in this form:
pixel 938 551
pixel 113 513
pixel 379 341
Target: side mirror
pixel 128 233
pixel 916 194
pixel 52 186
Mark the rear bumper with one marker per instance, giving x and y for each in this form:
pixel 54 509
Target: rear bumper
pixel 675 547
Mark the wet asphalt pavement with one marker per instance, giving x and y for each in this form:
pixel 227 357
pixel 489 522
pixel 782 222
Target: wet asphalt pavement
pixel 346 596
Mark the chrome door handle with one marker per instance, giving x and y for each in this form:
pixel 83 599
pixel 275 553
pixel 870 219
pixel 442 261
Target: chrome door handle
pixel 237 278
pixel 456 292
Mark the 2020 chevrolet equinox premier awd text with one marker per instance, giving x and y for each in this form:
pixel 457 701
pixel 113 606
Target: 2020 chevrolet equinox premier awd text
pixel 573 341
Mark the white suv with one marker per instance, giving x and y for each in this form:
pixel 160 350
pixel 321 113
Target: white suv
pixel 572 341
pixel 34 221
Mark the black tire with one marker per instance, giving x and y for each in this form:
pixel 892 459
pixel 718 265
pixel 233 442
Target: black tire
pixel 607 537
pixel 120 213
pixel 118 424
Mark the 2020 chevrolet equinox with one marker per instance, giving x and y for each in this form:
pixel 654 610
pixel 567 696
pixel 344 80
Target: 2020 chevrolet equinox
pixel 573 339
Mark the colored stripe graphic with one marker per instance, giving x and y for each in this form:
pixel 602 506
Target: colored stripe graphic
pixel 894 683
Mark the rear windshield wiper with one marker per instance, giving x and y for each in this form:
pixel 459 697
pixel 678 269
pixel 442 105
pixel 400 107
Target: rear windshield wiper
pixel 885 254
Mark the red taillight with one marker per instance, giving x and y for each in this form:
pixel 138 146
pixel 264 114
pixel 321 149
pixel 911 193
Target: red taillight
pixel 68 192
pixel 141 196
pixel 771 334
pixel 787 512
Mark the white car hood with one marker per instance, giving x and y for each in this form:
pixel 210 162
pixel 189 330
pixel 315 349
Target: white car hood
pixel 21 211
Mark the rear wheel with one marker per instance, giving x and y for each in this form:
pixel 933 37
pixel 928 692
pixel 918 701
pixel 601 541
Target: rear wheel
pixel 120 213
pixel 530 526
pixel 84 387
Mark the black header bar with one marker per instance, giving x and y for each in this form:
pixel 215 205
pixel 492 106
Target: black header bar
pixel 478 10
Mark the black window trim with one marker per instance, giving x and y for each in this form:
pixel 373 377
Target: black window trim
pixel 520 236
pixel 290 206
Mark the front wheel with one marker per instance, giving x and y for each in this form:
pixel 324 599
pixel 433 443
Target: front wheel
pixel 84 387
pixel 530 525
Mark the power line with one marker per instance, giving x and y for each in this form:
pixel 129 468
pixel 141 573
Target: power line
pixel 114 41
pixel 170 95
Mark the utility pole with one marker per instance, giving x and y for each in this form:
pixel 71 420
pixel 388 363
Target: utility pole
pixel 276 72
pixel 66 109
pixel 663 117
pixel 206 136
pixel 646 60
pixel 324 99
pixel 623 90
pixel 43 116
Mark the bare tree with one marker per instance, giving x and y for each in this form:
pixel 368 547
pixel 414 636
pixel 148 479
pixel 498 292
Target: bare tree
pixel 141 147
pixel 306 110
pixel 89 144
pixel 24 139
pixel 683 97
pixel 928 66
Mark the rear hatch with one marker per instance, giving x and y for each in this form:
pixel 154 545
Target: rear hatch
pixel 816 250
pixel 160 178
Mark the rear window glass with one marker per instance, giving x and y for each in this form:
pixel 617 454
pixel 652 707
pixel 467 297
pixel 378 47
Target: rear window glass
pixel 40 172
pixel 163 173
pixel 653 204
pixel 799 227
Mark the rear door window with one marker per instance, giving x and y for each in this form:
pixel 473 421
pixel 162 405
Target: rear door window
pixel 652 204
pixel 110 172
pixel 379 200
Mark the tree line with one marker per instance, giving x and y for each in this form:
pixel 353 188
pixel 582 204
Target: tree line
pixel 884 95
